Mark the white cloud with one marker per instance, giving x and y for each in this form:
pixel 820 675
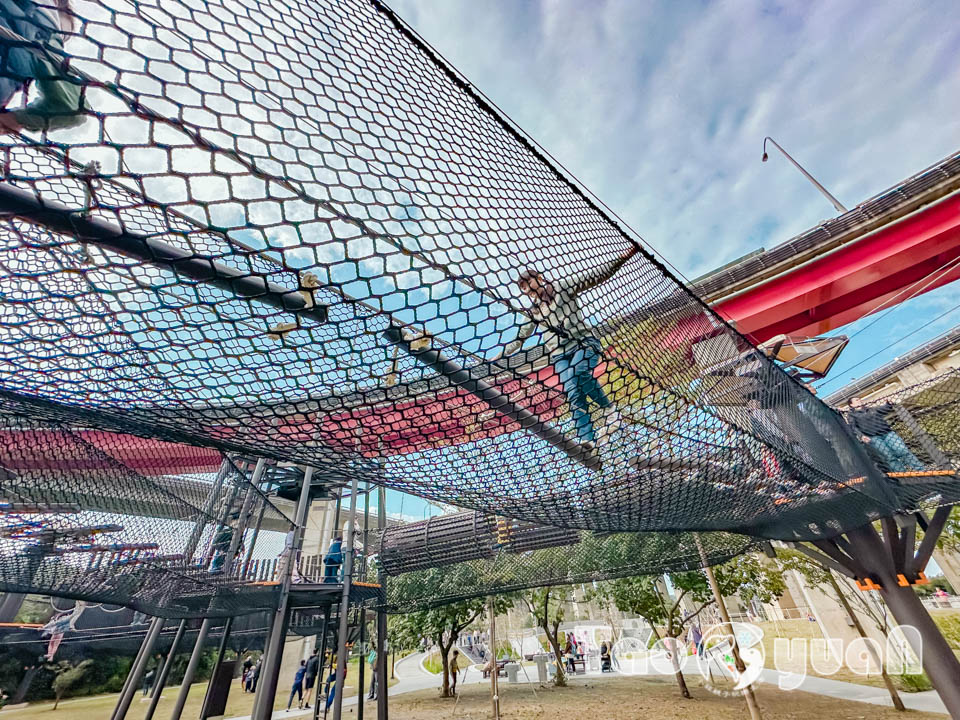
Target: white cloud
pixel 661 108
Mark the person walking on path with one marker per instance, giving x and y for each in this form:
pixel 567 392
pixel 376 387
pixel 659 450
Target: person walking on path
pixel 297 688
pixel 372 659
pixel 310 677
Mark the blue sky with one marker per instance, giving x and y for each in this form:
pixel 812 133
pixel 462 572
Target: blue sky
pixel 660 108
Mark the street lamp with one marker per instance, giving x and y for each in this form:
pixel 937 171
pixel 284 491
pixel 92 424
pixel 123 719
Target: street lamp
pixel 808 176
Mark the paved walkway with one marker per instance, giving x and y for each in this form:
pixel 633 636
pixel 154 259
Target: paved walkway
pixel 412 677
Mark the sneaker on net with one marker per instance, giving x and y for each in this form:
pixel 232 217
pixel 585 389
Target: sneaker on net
pixel 612 422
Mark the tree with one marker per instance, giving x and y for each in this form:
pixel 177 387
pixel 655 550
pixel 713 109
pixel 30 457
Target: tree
pixel 67 676
pixel 750 577
pixel 443 626
pixel 747 576
pixel 547 607
pixel 643 596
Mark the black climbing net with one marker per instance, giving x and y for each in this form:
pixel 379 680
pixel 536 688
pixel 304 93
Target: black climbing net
pixel 458 556
pixel 168 529
pixel 289 230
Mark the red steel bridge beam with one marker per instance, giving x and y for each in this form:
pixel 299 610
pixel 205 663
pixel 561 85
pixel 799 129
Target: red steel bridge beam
pixel 908 256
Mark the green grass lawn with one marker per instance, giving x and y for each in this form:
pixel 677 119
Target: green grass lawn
pixel 98 707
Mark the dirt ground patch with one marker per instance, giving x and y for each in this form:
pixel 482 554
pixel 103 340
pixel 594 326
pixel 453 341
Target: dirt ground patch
pixel 633 699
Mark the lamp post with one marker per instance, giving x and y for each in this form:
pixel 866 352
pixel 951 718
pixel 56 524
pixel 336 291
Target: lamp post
pixel 798 166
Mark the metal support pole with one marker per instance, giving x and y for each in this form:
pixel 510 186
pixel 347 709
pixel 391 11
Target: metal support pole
pixel 133 665
pixel 165 672
pixel 725 617
pixel 331 673
pixel 248 560
pixel 326 531
pixel 136 670
pixel 221 651
pixel 191 670
pixel 68 221
pixel 382 660
pixel 823 191
pixel 191 547
pixel 222 519
pixel 361 669
pixel 939 662
pixel 244 518
pixel 273 653
pixel 336 515
pixel 345 604
pixel 10 606
pixel 362 662
pixel 495 672
pixel 318 693
pixel 462 377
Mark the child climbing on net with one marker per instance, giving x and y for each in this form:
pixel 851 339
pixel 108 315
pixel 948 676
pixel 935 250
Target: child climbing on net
pixel 31 53
pixel 569 341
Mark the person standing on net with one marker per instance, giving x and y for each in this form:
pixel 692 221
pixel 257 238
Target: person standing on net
pixel 59 103
pixel 568 339
pixel 333 560
pixel 297 688
pixel 871 425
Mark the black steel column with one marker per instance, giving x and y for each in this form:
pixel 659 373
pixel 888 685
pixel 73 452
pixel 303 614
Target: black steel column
pixel 273 653
pixel 165 672
pixel 939 662
pixel 342 659
pixel 322 676
pixel 462 377
pixel 136 670
pixel 191 670
pixel 382 660
pixel 10 606
pixel 191 547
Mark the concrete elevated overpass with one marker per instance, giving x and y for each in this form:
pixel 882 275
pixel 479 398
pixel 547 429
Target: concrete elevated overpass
pixel 900 243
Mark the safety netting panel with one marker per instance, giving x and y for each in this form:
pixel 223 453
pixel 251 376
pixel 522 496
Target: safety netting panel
pixel 289 229
pixel 522 557
pixel 913 436
pixel 167 529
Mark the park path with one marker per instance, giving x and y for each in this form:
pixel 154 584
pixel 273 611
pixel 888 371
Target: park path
pixel 927 701
pixel 412 677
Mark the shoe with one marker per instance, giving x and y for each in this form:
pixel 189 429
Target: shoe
pixel 612 422
pixel 280 329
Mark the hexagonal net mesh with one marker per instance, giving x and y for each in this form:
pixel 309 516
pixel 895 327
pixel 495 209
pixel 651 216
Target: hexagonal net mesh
pixel 290 230
pixel 168 529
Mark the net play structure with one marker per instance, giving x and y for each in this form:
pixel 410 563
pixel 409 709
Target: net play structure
pixel 266 245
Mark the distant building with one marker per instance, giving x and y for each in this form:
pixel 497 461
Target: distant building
pixel 923 363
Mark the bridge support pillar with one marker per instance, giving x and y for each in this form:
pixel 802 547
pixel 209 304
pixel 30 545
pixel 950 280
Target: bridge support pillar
pixel 165 672
pixel 891 563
